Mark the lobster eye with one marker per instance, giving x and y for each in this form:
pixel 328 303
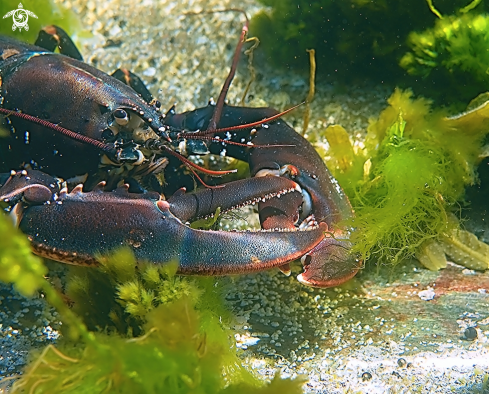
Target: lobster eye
pixel 121 117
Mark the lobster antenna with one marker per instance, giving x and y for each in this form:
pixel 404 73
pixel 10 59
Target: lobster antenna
pixel 202 181
pixel 189 163
pixel 192 167
pixel 68 133
pixel 107 148
pixel 216 116
pixel 248 125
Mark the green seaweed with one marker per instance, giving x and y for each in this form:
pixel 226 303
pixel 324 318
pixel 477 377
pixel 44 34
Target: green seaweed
pixel 351 37
pixel 18 265
pixel 48 13
pixel 406 199
pixel 456 49
pixel 120 294
pixel 207 223
pixel 174 356
pixel 410 178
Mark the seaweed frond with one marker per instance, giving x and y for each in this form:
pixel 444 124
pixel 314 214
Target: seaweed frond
pixel 17 264
pixel 457 44
pixel 416 165
pixel 174 356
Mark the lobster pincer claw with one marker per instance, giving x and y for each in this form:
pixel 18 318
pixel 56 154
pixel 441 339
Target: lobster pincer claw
pixel 274 149
pixel 229 196
pixel 64 226
pixel 75 235
pixel 330 263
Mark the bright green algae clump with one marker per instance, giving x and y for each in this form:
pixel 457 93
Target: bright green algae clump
pixel 350 37
pixel 411 177
pixel 17 264
pixel 183 345
pixel 457 47
pixel 120 294
pixel 174 356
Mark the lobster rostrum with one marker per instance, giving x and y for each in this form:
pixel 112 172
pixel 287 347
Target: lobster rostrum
pixel 70 120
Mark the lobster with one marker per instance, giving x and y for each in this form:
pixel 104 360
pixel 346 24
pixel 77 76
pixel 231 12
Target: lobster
pixel 105 134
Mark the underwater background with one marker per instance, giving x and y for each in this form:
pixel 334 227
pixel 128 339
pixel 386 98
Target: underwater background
pixel 399 115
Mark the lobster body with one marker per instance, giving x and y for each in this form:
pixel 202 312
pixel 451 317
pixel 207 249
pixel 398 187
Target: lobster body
pixel 300 204
pixel 66 92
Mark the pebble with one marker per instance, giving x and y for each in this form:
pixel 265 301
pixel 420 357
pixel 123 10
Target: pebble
pixel 427 295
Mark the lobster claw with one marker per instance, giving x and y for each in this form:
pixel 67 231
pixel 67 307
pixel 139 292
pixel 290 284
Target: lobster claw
pixel 330 263
pixel 275 150
pixel 77 231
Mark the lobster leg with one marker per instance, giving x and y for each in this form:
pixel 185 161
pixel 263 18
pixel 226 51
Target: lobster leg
pixel 131 79
pixel 76 234
pixel 52 37
pixel 282 152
